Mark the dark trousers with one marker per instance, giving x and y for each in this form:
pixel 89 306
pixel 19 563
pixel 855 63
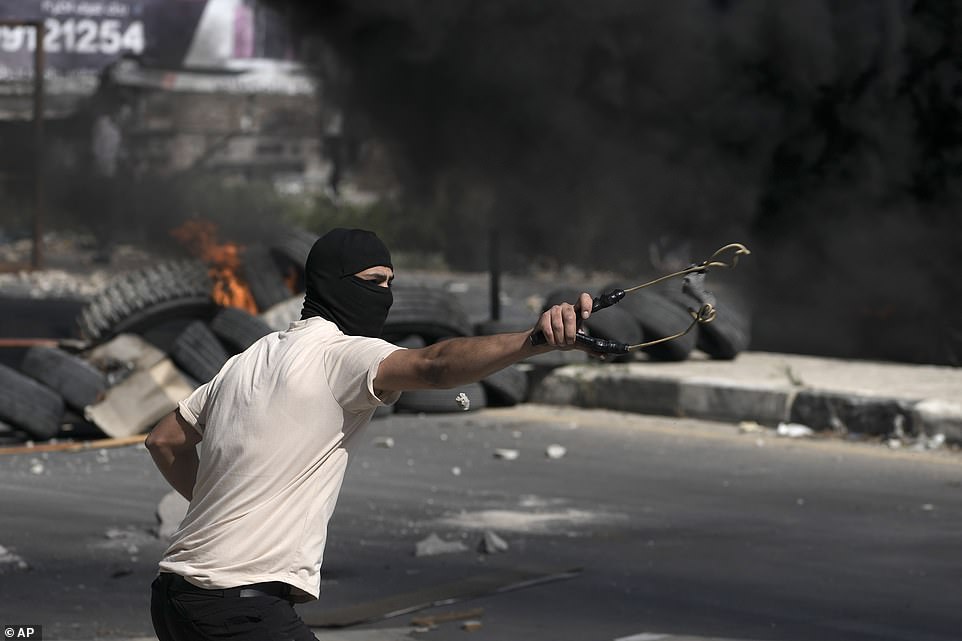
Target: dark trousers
pixel 183 612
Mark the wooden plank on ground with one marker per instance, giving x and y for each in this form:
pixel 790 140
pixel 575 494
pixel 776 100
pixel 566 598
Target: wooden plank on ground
pixel 74 446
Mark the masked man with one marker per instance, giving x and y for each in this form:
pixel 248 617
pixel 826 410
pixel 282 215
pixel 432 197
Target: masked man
pixel 274 428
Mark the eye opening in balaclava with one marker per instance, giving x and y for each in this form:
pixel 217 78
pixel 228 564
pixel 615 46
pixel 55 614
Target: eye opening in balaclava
pixel 332 291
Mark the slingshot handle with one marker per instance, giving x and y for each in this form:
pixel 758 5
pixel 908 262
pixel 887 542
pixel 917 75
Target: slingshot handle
pixel 600 345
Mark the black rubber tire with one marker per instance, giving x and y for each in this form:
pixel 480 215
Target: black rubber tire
pixel 410 342
pixel 29 405
pixel 290 250
pixel 139 300
pixel 441 401
pixel 198 352
pixel 263 276
pixel 659 317
pixel 429 313
pixel 506 387
pixel 726 336
pixel 78 382
pixel 294 245
pixel 11 436
pixel 503 326
pixel 612 323
pixel 238 329
pixel 617 324
pixel 561 295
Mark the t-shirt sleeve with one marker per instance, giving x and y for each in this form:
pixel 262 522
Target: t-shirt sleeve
pixel 352 367
pixel 194 408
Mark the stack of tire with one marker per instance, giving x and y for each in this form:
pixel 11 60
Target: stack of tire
pixel 649 314
pixel 423 316
pixel 51 388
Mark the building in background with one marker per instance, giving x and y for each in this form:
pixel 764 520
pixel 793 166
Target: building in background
pixel 169 85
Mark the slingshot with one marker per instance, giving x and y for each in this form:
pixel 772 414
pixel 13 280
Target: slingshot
pixel 694 284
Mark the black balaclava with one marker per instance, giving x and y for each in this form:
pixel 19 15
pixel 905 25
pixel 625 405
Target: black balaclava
pixel 332 291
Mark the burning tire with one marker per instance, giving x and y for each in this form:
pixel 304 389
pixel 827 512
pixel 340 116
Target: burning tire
pixel 425 312
pixel 264 277
pixel 441 401
pixel 198 352
pixel 29 405
pixel 78 382
pixel 138 301
pixel 237 329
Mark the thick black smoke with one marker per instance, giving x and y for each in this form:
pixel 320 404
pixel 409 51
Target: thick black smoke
pixel 824 134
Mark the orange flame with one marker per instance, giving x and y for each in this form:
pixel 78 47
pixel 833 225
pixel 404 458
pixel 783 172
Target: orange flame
pixel 223 260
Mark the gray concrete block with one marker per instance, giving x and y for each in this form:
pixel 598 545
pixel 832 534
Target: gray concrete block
pixel 874 415
pixel 725 400
pixel 609 387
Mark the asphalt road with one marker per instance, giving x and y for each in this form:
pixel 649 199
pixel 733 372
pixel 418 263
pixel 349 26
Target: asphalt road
pixel 679 527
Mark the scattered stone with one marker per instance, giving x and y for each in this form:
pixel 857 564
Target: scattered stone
pixel 36 466
pixel 10 562
pixel 456 470
pixel 434 545
pixel 750 427
pixel 471 626
pixel 555 451
pixel 491 543
pixel 506 454
pixel 794 430
pixel 384 441
pixel 463 401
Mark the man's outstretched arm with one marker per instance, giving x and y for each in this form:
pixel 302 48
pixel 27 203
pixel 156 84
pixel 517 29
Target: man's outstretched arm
pixel 172 446
pixel 457 361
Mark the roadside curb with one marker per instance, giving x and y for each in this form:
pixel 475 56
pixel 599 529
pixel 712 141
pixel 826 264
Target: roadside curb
pixel 876 399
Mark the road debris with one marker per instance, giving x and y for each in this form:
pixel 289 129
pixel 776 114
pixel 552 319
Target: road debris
pixel 555 451
pixel 386 442
pixel 506 454
pixel 10 562
pixel 491 543
pixel 794 430
pixel 750 427
pixel 433 545
pixel 456 470
pixel 463 401
pixel 922 443
pixel 471 626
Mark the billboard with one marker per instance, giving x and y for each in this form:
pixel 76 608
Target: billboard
pixel 83 37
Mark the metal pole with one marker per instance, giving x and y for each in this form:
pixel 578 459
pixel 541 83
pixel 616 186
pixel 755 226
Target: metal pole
pixel 38 112
pixel 494 267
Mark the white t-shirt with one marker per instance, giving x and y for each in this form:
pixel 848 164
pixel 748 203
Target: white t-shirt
pixel 277 423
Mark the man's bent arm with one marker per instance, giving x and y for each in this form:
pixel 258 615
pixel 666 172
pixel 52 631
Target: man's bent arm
pixel 456 361
pixel 172 446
